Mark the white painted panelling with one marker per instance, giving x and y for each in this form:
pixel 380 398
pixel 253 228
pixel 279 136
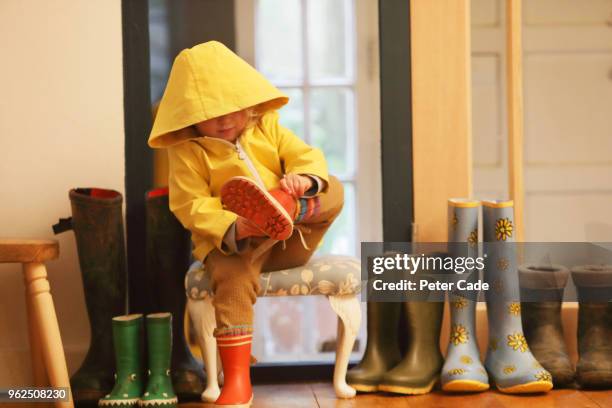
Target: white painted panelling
pixel 567 12
pixel 568 122
pixel 486 110
pixel 485 13
pixel 569 217
pixel 568 101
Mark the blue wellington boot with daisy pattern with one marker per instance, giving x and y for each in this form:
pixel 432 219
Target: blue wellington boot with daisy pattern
pixel 509 362
pixel 462 370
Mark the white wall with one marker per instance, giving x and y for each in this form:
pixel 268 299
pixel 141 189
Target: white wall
pixel 61 126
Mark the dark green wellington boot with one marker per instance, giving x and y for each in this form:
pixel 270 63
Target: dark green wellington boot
pixel 541 299
pixel 382 350
pixel 159 391
pixel 594 286
pixel 168 259
pixel 97 221
pixel 129 380
pixel 420 367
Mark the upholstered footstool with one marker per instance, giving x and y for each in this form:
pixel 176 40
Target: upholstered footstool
pixel 333 276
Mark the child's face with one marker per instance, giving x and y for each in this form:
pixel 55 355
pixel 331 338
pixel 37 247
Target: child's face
pixel 227 127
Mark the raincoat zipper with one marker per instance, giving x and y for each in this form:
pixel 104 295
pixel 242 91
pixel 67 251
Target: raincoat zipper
pixel 242 155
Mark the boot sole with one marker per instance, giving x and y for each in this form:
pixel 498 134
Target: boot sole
pixel 595 380
pixel 528 388
pixel 170 402
pixel 245 405
pixel 126 403
pixel 465 386
pixel 398 389
pixel 364 387
pixel 245 198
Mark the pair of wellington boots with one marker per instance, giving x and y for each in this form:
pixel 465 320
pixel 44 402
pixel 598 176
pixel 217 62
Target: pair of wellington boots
pixel 384 367
pixel 97 222
pixel 130 377
pixel 543 287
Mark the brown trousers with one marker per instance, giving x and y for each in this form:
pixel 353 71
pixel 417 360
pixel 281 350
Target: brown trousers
pixel 235 278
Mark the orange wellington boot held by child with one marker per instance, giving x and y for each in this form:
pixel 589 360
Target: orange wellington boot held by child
pixel 235 352
pixel 273 212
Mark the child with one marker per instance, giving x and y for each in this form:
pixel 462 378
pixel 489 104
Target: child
pixel 240 182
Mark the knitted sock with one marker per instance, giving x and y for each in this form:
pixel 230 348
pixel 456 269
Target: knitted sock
pixel 509 362
pixel 462 370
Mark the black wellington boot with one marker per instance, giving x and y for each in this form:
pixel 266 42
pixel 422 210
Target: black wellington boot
pixel 382 350
pixel 594 286
pixel 97 221
pixel 168 259
pixel 541 299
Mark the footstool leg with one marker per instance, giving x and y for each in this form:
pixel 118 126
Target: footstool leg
pixel 43 311
pixel 349 319
pixel 202 314
pixel 38 366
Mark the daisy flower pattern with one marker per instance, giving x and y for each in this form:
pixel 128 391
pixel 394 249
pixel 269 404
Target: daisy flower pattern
pixel 509 369
pixel 517 342
pixel 514 308
pixel 459 303
pixel 459 334
pixel 456 371
pixel 543 376
pixel 503 229
pixel 473 238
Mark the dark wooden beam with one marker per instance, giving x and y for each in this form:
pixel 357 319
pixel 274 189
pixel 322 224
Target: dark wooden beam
pixel 396 119
pixel 138 156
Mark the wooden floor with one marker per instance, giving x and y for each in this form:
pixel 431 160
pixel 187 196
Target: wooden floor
pixel 321 395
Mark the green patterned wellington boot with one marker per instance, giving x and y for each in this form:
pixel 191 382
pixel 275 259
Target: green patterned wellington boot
pixel 382 350
pixel 127 337
pixel 159 391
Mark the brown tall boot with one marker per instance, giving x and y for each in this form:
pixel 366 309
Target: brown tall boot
pixel 541 299
pixel 97 222
pixel 594 286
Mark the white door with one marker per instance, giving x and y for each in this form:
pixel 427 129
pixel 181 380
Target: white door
pixel 568 115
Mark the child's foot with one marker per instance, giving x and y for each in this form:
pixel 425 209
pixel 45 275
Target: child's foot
pixel 266 210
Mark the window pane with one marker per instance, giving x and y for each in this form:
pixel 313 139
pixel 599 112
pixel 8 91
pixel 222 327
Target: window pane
pixel 278 39
pixel 340 238
pixel 331 117
pixel 292 114
pixel 328 45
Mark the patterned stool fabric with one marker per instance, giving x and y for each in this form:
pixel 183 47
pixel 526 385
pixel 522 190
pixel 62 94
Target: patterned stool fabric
pixel 329 275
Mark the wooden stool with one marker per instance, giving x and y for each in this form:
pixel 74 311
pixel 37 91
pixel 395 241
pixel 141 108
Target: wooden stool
pixel 45 341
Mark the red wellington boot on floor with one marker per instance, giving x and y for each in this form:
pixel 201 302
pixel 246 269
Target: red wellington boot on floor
pixel 271 211
pixel 235 352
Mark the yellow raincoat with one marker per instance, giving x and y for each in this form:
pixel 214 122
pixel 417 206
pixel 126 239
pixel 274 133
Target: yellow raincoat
pixel 208 81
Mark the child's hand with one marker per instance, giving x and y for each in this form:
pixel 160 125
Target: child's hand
pixel 295 184
pixel 245 229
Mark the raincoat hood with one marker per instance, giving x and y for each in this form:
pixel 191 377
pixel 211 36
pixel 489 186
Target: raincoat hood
pixel 208 81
